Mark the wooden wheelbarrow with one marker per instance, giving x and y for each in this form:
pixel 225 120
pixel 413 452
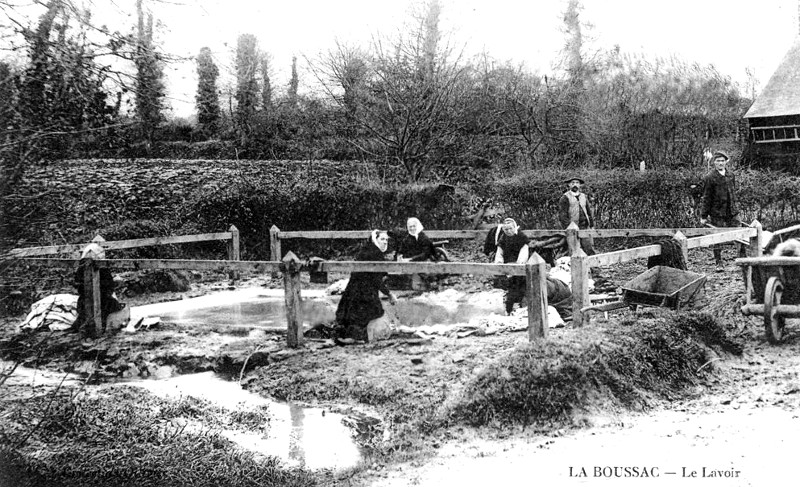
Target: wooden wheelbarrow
pixel 660 286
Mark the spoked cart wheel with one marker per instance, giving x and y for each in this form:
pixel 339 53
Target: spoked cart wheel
pixel 773 323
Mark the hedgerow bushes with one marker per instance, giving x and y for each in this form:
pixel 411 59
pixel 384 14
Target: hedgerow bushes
pixel 134 199
pixel 624 198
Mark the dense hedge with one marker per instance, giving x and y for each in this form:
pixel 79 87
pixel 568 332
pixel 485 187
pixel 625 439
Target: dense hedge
pixel 73 200
pixel 651 199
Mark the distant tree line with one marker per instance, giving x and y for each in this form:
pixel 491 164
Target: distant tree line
pixel 412 100
pixel 415 101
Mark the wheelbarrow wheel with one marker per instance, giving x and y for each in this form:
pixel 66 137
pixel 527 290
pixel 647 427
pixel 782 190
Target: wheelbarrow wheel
pixel 773 322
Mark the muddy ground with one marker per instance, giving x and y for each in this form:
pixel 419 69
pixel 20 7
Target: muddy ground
pixel 732 422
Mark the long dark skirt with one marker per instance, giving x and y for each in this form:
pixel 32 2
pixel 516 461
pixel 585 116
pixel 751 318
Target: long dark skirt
pixel 360 304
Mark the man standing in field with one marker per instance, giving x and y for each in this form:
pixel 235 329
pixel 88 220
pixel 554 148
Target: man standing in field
pixel 719 199
pixel 573 206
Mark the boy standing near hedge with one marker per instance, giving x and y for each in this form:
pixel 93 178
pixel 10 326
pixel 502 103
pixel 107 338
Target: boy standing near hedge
pixel 719 199
pixel 574 206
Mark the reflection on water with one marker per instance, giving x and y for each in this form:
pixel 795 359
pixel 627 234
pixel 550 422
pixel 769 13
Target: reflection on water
pixel 257 309
pixel 263 312
pixel 415 313
pixel 300 436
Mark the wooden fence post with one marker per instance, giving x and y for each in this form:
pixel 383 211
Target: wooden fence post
pixel 233 250
pixel 573 243
pixel 233 244
pixel 579 268
pixel 536 294
pixel 684 244
pixel 755 242
pixel 291 287
pixel 274 244
pixel 93 325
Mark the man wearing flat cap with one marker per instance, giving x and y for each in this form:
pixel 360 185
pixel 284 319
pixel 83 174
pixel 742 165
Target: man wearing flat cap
pixel 574 206
pixel 719 199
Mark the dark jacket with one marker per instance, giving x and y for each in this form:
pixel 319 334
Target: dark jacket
pixel 490 244
pixel 417 249
pixel 360 301
pixel 512 245
pixel 559 296
pixel 719 196
pixel 585 220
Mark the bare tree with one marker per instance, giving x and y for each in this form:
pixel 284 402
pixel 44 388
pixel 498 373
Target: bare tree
pixel 401 95
pixel 51 100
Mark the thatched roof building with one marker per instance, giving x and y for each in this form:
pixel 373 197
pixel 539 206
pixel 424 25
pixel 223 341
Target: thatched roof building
pixel 774 117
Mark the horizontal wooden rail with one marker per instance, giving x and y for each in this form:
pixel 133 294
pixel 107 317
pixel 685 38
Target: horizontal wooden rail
pixel 177 264
pixel 722 236
pixel 625 255
pixel 118 244
pixel 425 268
pixel 648 232
pixel 768 260
pixel 786 230
pixel 364 234
pixel 273 266
pixel 471 234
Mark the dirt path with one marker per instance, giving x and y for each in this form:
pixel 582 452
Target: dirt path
pixel 745 431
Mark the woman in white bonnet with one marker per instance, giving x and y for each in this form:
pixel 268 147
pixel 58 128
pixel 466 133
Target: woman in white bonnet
pixel 416 246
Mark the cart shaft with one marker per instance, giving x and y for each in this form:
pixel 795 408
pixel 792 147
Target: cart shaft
pixel 785 310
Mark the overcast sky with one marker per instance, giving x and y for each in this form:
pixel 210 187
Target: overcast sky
pixel 733 35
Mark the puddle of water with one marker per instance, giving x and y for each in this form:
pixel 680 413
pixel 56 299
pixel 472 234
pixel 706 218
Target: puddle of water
pixel 265 308
pixel 307 437
pixel 247 307
pixel 37 378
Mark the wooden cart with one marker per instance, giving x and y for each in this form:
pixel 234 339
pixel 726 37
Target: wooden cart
pixel 772 291
pixel 658 286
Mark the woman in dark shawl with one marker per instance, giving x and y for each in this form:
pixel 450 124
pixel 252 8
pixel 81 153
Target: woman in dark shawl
pixel 360 301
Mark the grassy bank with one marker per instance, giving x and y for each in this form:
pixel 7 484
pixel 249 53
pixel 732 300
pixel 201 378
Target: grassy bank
pixel 127 437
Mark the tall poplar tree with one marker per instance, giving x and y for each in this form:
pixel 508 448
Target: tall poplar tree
pixel 293 83
pixel 266 85
pixel 246 85
pixel 207 98
pixel 149 84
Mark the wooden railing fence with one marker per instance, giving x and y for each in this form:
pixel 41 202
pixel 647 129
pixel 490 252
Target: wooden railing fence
pixel 291 267
pixel 276 236
pixel 580 263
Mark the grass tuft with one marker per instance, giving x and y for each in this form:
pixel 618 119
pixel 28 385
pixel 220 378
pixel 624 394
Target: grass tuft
pixel 625 366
